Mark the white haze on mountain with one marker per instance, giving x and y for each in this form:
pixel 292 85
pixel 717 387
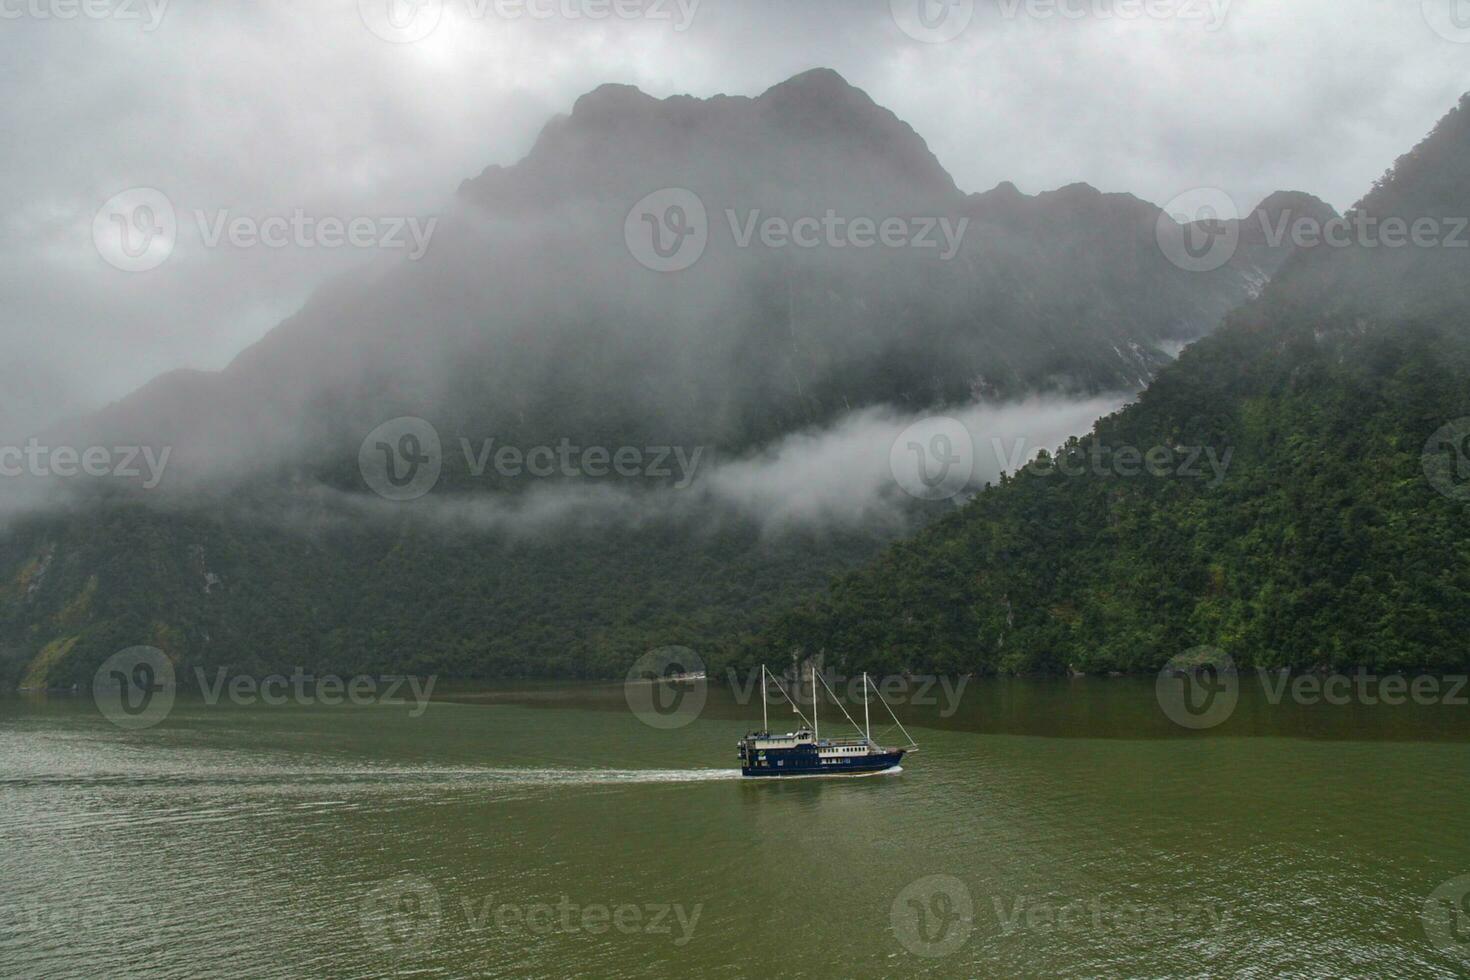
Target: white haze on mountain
pixel 833 478
pixel 843 474
pixel 269 106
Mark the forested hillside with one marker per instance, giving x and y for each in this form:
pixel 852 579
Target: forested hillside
pixel 529 321
pixel 1339 535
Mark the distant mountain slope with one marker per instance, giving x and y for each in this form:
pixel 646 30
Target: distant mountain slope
pixel 529 312
pixel 1340 534
pixel 530 320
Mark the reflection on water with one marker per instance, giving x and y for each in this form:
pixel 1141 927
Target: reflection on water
pixel 545 830
pixel 1074 707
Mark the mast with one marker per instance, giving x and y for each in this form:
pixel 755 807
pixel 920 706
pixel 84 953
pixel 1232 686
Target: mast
pixel 816 733
pixel 913 746
pixel 765 722
pixel 867 729
pixel 795 708
pixel 838 701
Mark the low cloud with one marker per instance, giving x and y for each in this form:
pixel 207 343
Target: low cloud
pixel 842 474
pixel 834 478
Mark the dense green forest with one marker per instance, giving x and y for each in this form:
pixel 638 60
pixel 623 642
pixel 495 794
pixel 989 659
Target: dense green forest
pixel 256 598
pixel 530 321
pixel 1326 544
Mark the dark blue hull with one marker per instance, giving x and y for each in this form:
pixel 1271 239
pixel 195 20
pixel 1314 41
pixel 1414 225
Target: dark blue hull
pixel 780 764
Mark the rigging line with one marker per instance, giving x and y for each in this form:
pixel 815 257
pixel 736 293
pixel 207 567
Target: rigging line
pixel 787 697
pixel 839 703
pixel 884 733
pixel 905 731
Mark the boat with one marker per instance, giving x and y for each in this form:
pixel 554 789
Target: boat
pixel 764 755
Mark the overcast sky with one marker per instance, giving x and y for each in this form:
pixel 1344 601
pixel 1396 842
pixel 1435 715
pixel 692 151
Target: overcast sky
pixel 262 107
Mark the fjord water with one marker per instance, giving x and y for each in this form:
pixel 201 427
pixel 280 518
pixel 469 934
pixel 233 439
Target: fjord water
pixel 547 831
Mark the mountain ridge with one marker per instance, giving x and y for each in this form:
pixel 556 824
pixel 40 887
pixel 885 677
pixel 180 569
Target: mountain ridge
pixel 1336 540
pixel 308 346
pixel 536 324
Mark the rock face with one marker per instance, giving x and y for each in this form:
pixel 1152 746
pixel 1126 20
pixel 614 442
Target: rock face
pixel 814 132
pixel 533 319
pixel 1328 529
pixel 530 310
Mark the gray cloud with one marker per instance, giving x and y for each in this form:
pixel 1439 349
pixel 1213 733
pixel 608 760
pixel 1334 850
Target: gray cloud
pixel 835 477
pixel 266 106
pixel 842 474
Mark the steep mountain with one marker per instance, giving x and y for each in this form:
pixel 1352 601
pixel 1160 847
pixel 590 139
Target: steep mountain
pixel 1337 534
pixel 537 317
pixel 529 309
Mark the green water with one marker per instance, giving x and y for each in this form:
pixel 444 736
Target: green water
pixel 549 832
